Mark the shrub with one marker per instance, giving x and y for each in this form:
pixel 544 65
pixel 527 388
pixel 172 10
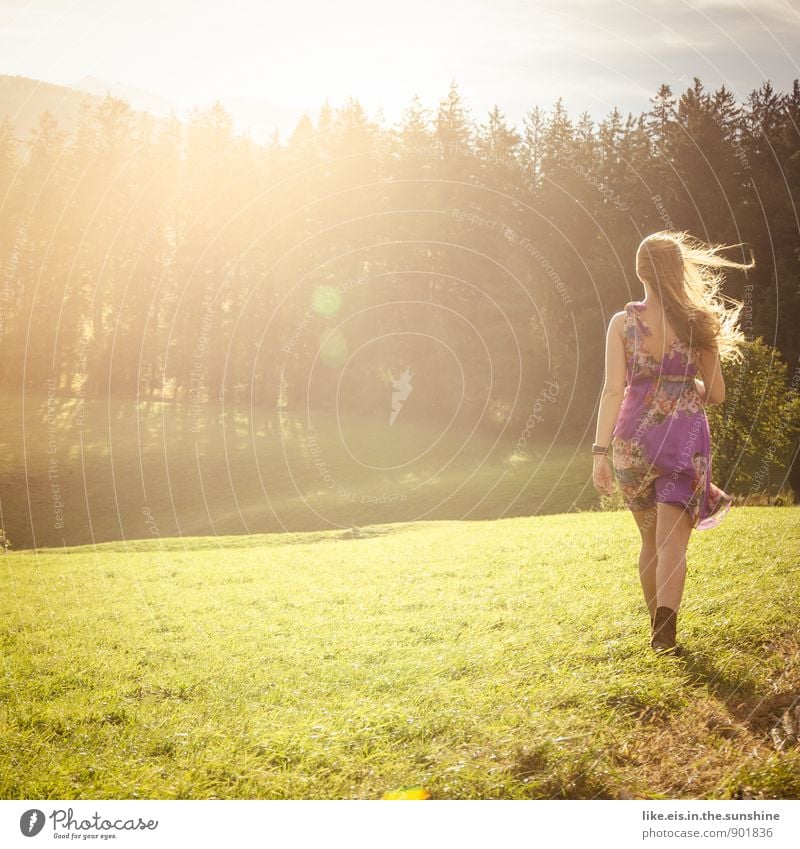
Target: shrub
pixel 754 431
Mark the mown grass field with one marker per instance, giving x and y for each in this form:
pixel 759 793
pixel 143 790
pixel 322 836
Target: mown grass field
pixel 478 660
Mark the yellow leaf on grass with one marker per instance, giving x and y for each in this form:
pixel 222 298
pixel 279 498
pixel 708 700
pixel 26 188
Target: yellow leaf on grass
pixel 408 793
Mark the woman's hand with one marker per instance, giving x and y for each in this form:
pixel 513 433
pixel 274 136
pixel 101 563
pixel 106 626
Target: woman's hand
pixel 602 476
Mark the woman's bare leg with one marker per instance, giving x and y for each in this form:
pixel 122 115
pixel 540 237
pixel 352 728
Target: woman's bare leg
pixel 673 528
pixel 648 556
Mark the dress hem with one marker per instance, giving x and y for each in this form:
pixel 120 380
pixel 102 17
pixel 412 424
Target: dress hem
pixel 715 518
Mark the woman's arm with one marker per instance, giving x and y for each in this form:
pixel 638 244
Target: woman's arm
pixel 614 385
pixel 610 401
pixel 712 386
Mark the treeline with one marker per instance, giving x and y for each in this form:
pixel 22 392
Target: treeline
pixel 184 262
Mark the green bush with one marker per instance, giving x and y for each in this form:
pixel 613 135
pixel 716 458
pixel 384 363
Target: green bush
pixel 754 431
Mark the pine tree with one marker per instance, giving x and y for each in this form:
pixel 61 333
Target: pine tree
pixel 453 131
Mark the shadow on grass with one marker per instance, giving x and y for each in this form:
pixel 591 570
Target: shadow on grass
pixel 757 707
pixel 235 541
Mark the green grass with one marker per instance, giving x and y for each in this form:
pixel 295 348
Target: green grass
pixel 502 659
pixel 127 471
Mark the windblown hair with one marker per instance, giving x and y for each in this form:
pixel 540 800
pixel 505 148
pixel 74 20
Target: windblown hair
pixel 686 274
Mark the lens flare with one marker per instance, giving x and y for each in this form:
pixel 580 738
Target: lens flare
pixel 326 301
pixel 333 348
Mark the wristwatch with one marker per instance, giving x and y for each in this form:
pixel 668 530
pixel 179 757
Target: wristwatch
pixel 599 449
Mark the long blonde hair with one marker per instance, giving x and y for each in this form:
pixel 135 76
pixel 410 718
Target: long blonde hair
pixel 686 274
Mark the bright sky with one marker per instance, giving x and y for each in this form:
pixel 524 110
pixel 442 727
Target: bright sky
pixel 290 56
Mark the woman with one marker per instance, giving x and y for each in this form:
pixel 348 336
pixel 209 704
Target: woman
pixel 656 424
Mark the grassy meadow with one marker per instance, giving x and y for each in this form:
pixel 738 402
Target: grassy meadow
pixel 127 470
pixel 502 659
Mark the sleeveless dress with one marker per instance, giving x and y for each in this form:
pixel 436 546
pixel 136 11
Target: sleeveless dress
pixel 661 441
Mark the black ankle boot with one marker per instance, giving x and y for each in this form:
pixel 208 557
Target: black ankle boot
pixel 664 627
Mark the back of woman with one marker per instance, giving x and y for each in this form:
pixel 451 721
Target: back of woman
pixel 662 367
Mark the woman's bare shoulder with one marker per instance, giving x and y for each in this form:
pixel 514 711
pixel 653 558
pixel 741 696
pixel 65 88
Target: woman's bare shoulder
pixel 617 321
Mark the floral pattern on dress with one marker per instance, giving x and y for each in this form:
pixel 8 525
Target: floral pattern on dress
pixel 661 442
pixel 628 461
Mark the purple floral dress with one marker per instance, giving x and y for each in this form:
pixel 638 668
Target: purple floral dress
pixel 661 442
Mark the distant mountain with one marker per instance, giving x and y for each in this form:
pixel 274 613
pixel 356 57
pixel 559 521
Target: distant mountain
pixel 139 98
pixel 23 100
pixel 257 117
